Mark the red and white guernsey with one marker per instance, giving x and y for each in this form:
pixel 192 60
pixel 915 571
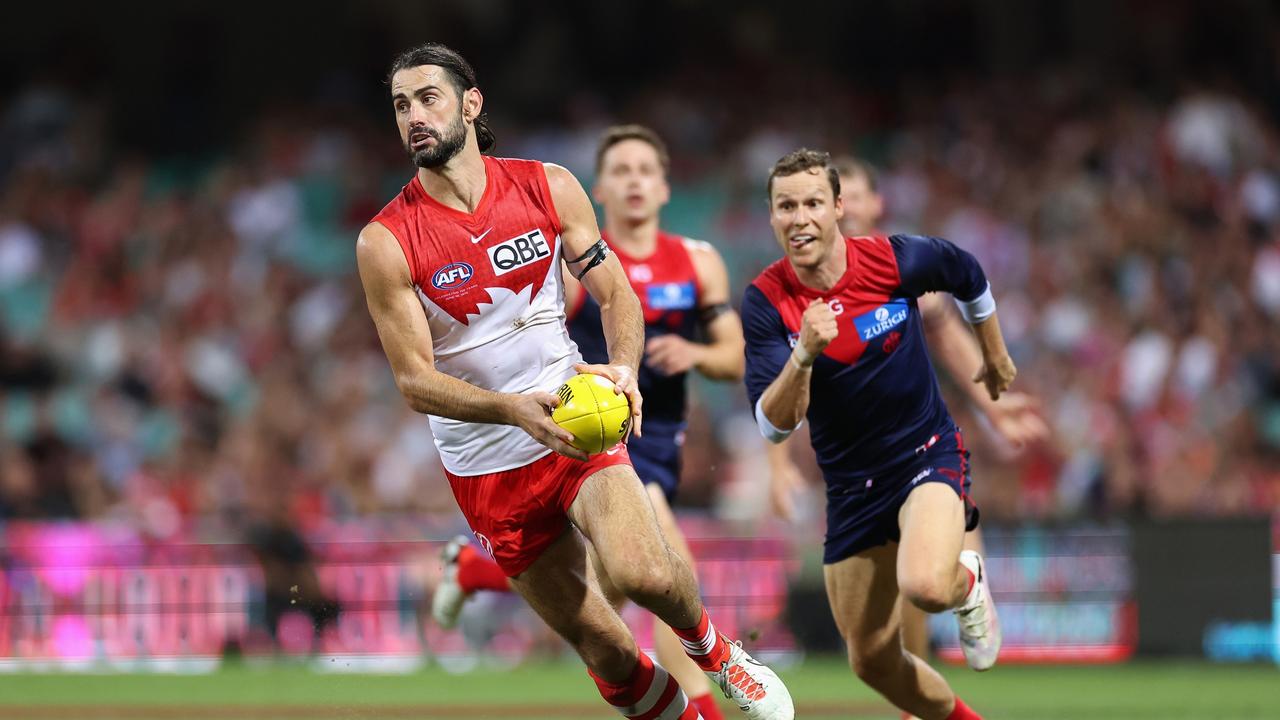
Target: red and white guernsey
pixel 490 284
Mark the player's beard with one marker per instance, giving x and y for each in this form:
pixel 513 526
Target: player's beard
pixel 447 145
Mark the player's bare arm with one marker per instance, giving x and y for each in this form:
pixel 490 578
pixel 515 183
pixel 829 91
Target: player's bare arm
pixel 997 371
pixel 786 400
pixel 1015 417
pixel 932 264
pixel 785 479
pixel 406 338
pixel 574 295
pixel 602 276
pixel 953 343
pixel 721 358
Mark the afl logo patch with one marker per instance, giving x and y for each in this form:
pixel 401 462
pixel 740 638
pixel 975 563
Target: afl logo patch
pixel 453 275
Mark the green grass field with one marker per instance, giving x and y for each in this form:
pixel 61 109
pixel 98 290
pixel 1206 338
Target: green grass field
pixel 823 689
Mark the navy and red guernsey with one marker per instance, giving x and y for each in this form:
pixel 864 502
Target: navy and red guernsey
pixel 874 402
pixel 667 285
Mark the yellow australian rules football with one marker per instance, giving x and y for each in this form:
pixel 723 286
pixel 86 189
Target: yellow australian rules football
pixel 589 408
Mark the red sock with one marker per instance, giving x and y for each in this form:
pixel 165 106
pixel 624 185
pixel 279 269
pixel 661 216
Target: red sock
pixel 707 707
pixel 962 712
pixel 634 699
pixel 703 644
pixel 972 579
pixel 477 572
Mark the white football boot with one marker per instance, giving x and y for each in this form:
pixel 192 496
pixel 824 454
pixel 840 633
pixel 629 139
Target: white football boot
pixel 976 617
pixel 446 603
pixel 757 690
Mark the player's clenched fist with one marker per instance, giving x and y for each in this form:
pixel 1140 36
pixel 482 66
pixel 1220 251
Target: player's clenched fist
pixel 817 329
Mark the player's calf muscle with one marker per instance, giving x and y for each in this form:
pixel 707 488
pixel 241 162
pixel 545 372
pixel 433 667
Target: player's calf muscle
pixel 875 662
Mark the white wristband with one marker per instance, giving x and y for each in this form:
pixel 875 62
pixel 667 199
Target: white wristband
pixel 767 429
pixel 802 358
pixel 979 308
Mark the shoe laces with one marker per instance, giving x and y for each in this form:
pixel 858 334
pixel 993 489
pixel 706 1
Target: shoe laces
pixel 733 675
pixel 973 620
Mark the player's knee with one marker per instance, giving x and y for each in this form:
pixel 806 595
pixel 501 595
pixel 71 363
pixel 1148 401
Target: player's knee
pixel 930 592
pixel 646 580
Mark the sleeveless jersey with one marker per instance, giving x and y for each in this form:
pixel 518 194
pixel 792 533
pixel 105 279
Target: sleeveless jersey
pixel 668 288
pixel 490 285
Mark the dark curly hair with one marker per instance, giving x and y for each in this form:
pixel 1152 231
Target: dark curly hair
pixel 461 75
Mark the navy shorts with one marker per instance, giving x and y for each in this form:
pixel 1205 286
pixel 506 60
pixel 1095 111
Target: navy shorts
pixel 656 454
pixel 863 513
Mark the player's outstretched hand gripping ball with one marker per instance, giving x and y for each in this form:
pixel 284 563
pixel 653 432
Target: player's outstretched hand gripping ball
pixel 589 408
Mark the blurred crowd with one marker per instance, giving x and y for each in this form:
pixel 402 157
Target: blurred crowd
pixel 183 339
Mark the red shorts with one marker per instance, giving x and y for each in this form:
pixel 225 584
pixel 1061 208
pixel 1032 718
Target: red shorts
pixel 516 514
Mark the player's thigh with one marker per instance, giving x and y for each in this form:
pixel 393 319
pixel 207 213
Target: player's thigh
pixel 667 522
pixel 863 592
pixel 670 530
pixel 931 523
pixel 562 589
pixel 610 590
pixel 613 510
